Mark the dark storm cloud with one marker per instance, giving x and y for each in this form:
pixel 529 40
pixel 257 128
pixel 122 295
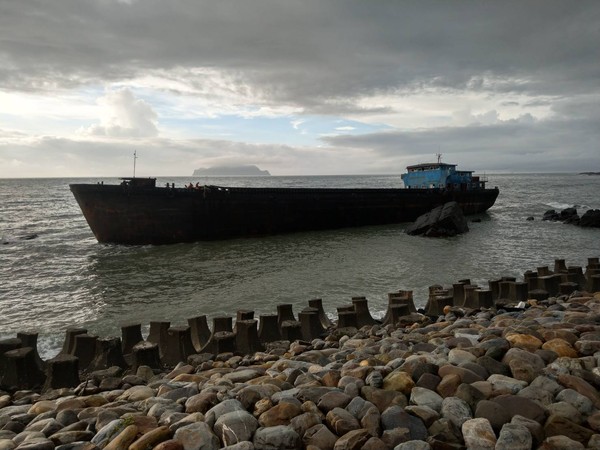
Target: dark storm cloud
pixel 568 142
pixel 310 53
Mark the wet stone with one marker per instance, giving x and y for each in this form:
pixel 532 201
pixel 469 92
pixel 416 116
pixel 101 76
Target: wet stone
pixel 514 405
pixel 413 445
pixel 353 440
pixel 429 381
pixel 36 444
pixel 319 436
pixel 333 399
pixel 556 425
pixel 536 394
pixel 457 356
pixel 502 384
pixel 535 429
pixel 300 424
pixel 470 395
pixel 341 421
pixel 382 398
pixel 574 398
pixel 449 384
pixel 397 417
pixel 392 438
pixel 514 437
pixel 560 443
pixel 426 414
pixel 278 437
pixel 478 434
pixel 398 381
pixel 235 427
pixel 445 431
pixel 374 443
pixel 197 436
pixel 219 409
pixel 68 437
pixel 493 366
pixel 356 405
pixel 456 410
pixel 280 414
pixel 493 413
pixel 374 379
pixel 425 397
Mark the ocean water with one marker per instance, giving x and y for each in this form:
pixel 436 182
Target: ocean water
pixel 54 274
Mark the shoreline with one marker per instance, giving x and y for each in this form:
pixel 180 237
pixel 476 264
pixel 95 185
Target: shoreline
pixel 515 365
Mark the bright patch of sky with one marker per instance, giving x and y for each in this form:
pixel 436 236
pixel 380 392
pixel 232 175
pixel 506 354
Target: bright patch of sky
pixel 301 131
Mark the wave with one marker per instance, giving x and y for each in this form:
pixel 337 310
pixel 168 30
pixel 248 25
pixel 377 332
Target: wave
pixel 561 206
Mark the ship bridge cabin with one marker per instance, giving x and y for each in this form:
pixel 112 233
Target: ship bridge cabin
pixel 441 176
pixel 134 182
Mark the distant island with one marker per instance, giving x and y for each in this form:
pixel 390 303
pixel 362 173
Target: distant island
pixel 589 173
pixel 231 171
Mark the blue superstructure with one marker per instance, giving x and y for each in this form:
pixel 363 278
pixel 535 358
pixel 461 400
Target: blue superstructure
pixel 440 176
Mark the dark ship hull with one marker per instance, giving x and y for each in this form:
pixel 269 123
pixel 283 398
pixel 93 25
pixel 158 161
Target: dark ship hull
pixel 145 214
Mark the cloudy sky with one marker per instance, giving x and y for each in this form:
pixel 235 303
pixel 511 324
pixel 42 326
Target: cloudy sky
pixel 297 86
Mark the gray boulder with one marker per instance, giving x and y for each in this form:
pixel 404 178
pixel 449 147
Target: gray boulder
pixel 442 221
pixel 591 218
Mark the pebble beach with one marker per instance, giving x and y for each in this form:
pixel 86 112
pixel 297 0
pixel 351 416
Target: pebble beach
pixel 513 377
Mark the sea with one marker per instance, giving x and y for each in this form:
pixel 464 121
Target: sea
pixel 55 275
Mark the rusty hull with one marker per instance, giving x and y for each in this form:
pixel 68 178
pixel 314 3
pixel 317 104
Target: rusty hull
pixel 160 215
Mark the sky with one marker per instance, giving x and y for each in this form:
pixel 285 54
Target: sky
pixel 297 87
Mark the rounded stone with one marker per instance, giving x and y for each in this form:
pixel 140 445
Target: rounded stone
pixel 319 436
pixel 493 412
pixel 560 443
pixel 234 427
pixel 456 411
pixel 197 436
pixel 514 437
pixel 478 433
pixel 524 341
pixel 333 399
pixel 353 440
pixel 502 384
pixel 280 414
pixel 341 421
pixel 561 347
pixel 278 437
pixel 457 356
pixel 424 397
pixel 413 445
pixel 398 381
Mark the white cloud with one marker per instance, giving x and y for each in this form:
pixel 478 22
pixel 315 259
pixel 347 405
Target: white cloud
pixel 465 81
pixel 123 115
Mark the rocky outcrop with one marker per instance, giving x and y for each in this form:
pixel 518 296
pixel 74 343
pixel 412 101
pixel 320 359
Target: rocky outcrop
pixel 231 171
pixel 590 219
pixel 443 221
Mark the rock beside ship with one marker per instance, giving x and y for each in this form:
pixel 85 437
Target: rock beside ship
pixel 231 171
pixel 443 221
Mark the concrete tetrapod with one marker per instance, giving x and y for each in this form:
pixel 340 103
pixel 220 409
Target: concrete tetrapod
pixel 131 334
pixel 179 345
pixel 158 335
pixel 200 331
pixel 318 304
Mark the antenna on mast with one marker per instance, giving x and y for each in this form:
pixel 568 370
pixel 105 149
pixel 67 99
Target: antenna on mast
pixel 134 158
pixel 439 157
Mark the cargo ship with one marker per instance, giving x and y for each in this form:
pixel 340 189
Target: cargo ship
pixel 137 211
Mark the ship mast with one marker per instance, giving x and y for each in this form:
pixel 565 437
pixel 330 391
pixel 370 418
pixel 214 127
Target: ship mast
pixel 134 158
pixel 439 157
